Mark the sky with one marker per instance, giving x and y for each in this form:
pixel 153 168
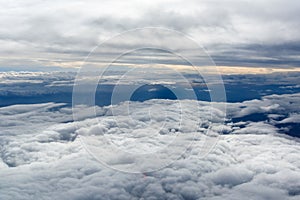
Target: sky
pixel 37 34
pixel 70 135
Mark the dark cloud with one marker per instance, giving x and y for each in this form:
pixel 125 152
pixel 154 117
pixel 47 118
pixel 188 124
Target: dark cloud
pixel 257 55
pixel 250 33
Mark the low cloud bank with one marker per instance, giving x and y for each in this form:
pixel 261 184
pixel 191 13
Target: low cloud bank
pixel 41 155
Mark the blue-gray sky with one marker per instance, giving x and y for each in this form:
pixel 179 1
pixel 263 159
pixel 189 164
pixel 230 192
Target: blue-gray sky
pixel 249 33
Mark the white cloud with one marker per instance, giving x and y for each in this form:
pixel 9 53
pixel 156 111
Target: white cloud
pixel 293 118
pixel 272 104
pixel 40 158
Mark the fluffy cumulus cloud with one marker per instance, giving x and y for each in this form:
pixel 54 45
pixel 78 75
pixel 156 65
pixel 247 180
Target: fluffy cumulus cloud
pixel 61 33
pixel 42 156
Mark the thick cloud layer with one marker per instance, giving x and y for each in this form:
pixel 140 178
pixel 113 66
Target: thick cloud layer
pixel 38 33
pixel 42 156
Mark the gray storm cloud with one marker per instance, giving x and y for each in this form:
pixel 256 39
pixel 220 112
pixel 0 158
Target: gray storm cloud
pixel 37 33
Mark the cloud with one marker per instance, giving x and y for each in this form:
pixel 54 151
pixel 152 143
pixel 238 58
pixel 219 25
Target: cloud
pixel 15 85
pixel 245 33
pixel 275 104
pixel 42 156
pixel 232 176
pixel 293 118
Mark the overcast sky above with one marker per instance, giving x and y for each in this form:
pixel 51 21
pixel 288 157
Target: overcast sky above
pixel 36 33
